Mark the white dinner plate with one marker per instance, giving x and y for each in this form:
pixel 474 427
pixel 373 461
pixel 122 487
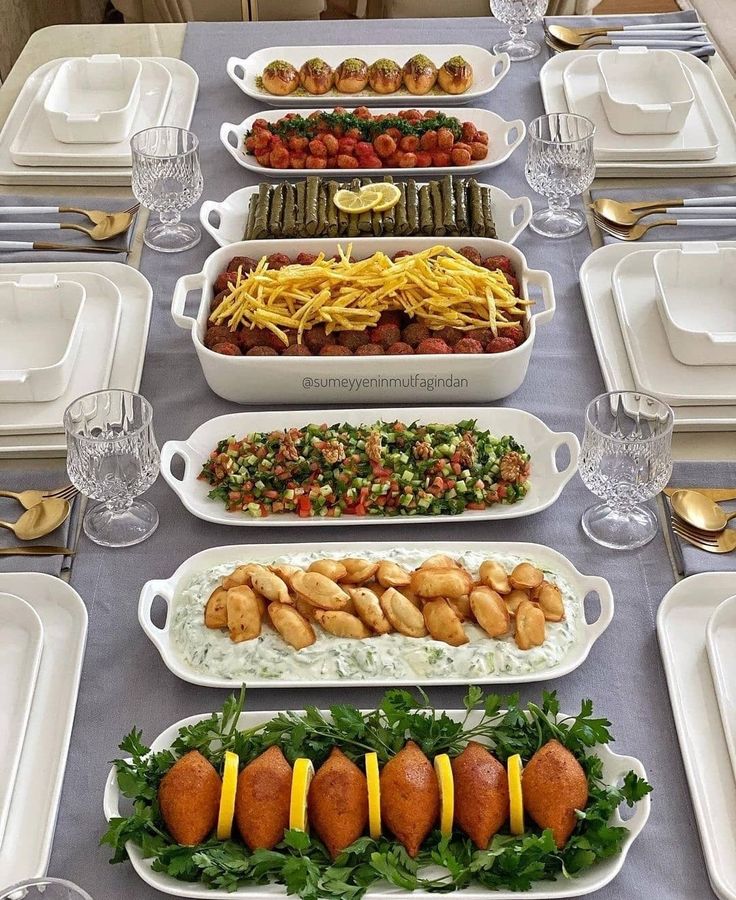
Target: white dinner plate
pixel 583 84
pixel 91 372
pixel 681 627
pixel 596 275
pixel 35 144
pixel 26 847
pixel 21 644
pixel 503 138
pixel 488 71
pixel 720 641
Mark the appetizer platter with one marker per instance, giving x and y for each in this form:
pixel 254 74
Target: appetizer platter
pixel 373 141
pixel 533 481
pixel 415 73
pixel 475 794
pixel 369 615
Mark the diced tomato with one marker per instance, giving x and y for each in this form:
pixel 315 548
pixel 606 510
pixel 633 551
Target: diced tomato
pixel 304 506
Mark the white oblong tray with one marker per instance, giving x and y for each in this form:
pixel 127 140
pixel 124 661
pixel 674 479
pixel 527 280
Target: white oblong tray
pixel 544 557
pixel 232 214
pixel 488 71
pixel 503 138
pixel 538 440
pixel 615 767
pixel 720 641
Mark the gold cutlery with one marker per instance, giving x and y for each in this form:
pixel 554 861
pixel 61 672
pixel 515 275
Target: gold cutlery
pixel 37 550
pixel 576 37
pixel 39 520
pixel 700 511
pixel 110 228
pixel 636 232
pixel 27 499
pixel 720 495
pixel 96 216
pixel 619 212
pixel 47 245
pixel 724 542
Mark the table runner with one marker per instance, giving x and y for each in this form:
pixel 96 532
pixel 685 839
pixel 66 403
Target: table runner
pixel 124 681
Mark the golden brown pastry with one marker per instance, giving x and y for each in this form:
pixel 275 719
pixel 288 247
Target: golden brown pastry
pixel 384 76
pixel 316 76
pixel 189 798
pixel 455 76
pixel 419 74
pixel 280 78
pixel 554 786
pixel 262 800
pixel 351 76
pixel 481 793
pixel 410 797
pixel 338 802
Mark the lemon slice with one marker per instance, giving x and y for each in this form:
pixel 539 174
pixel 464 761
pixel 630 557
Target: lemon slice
pixel 352 202
pixel 300 781
pixel 390 194
pixel 227 796
pixel 374 795
pixel 443 770
pixel 516 798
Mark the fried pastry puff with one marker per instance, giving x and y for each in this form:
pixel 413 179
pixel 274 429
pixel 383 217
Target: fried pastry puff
pixel 410 797
pixel 338 802
pixel 481 793
pixel 262 800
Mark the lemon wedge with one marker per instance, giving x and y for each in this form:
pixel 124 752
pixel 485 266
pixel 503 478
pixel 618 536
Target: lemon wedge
pixel 516 798
pixel 443 770
pixel 300 780
pixel 390 194
pixel 374 795
pixel 352 202
pixel 227 796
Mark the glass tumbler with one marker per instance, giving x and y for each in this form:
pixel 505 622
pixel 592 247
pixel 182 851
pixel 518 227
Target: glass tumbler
pixel 560 164
pixel 518 14
pixel 167 178
pixel 44 889
pixel 625 459
pixel 112 456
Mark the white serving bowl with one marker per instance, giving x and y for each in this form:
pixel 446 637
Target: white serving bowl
pixel 697 303
pixel 645 91
pixel 94 100
pixel 315 380
pixel 40 334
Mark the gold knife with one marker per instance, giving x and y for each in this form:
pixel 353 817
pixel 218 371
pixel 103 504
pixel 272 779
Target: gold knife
pixel 37 550
pixel 715 494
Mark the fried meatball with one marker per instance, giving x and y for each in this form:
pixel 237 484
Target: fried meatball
pixel 433 345
pixel 297 350
pixel 468 345
pixel 385 335
pixel 244 263
pixel 414 334
pixel 306 259
pixel 217 334
pixel 227 348
pixel 259 337
pixel 262 351
pixel 338 802
pixel 370 350
pixel 352 339
pixel 262 800
pixel 500 345
pixel 335 350
pixel 516 333
pixel 222 280
pixel 449 335
pixel 472 254
pixel 480 334
pixel 554 785
pixel 400 253
pixel 316 338
pixel 400 349
pixel 498 262
pixel 189 798
pixel 410 797
pixel 217 300
pixel 481 793
pixel 278 261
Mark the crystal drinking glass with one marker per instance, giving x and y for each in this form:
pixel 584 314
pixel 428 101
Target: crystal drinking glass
pixel 626 459
pixel 44 889
pixel 518 14
pixel 167 178
pixel 112 456
pixel 559 165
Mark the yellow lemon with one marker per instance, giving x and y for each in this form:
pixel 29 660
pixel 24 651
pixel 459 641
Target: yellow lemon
pixel 390 194
pixel 374 794
pixel 516 799
pixel 227 796
pixel 300 781
pixel 443 770
pixel 352 202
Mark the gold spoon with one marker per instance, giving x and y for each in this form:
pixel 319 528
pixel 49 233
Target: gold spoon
pixel 575 37
pixel 700 511
pixel 628 214
pixel 41 519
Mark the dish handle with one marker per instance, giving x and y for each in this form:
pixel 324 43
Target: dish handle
pixel 524 206
pixel 111 797
pixel 605 597
pixel 205 217
pixel 638 819
pixel 152 590
pixel 499 69
pixel 182 289
pixel 233 65
pixel 542 280
pixel 569 440
pixel 169 452
pixel 228 131
pixel 515 126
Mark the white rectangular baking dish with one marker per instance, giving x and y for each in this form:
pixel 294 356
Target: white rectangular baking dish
pixel 315 380
pixel 720 640
pixel 488 71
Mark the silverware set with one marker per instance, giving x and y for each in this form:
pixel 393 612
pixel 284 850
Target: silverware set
pixel 105 226
pixel 623 220
pixel 698 519
pixel 44 512
pixel 689 36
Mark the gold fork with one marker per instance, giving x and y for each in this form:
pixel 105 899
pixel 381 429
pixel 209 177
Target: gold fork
pixel 37 550
pixel 723 542
pixel 27 499
pixel 635 232
pixel 107 225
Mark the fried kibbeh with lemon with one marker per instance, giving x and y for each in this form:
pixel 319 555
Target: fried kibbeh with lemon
pixel 410 797
pixel 554 786
pixel 262 800
pixel 338 802
pixel 189 798
pixel 481 793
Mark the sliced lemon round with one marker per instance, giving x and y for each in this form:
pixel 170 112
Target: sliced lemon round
pixel 300 780
pixel 443 770
pixel 516 798
pixel 390 194
pixel 372 776
pixel 227 796
pixel 353 202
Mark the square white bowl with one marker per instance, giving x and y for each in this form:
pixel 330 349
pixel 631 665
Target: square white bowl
pixel 94 100
pixel 644 91
pixel 40 334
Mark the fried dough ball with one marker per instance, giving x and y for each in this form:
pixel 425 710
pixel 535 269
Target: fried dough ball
pixel 384 76
pixel 338 802
pixel 455 76
pixel 280 78
pixel 262 800
pixel 189 798
pixel 554 786
pixel 410 797
pixel 316 76
pixel 481 793
pixel 419 74
pixel 351 76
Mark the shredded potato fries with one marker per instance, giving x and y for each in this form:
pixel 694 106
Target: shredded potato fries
pixel 438 286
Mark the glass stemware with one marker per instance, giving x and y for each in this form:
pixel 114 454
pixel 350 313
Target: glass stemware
pixel 518 14
pixel 112 456
pixel 44 889
pixel 560 164
pixel 167 178
pixel 625 459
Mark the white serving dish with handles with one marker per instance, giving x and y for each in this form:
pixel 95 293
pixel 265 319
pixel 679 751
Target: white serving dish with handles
pixel 720 640
pixel 503 138
pixel 40 334
pixel 315 380
pixel 95 99
pixel 696 302
pixel 489 70
pixel 644 91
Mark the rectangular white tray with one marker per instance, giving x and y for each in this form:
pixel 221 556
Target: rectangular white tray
pixel 720 639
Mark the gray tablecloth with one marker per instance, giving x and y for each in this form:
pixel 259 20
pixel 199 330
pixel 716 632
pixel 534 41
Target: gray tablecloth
pixel 125 682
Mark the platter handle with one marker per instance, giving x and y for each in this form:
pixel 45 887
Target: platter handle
pixel 233 65
pixel 524 206
pixel 228 131
pixel 182 289
pixel 605 597
pixel 518 126
pixel 205 212
pixel 542 280
pixel 639 816
pixel 499 69
pixel 169 452
pixel 152 590
pixel 111 797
